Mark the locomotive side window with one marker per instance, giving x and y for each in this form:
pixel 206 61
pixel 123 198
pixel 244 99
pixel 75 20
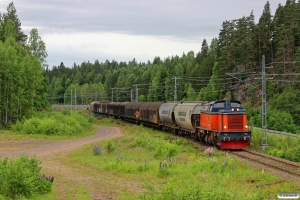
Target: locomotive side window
pixel 219 105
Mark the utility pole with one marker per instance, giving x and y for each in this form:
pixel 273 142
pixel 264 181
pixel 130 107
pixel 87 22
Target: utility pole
pixel 137 91
pixel 112 94
pixel 130 95
pixel 175 88
pixel 75 100
pixel 264 142
pixel 71 101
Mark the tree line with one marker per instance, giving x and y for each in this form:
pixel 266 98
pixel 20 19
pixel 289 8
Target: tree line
pixel 23 84
pixel 223 69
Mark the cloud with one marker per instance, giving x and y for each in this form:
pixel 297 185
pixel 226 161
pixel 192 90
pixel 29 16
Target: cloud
pixel 114 46
pixel 76 30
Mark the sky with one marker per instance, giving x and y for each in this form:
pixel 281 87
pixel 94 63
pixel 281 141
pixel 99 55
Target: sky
pixel 77 31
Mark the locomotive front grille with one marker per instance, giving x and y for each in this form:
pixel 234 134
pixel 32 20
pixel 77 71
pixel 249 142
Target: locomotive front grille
pixel 235 121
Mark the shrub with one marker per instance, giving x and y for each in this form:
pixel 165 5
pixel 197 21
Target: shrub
pixel 109 147
pixel 181 142
pixel 54 123
pixel 21 178
pixel 166 150
pixel 145 141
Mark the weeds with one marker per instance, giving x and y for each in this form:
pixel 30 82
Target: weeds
pixel 175 169
pixel 286 147
pixel 55 123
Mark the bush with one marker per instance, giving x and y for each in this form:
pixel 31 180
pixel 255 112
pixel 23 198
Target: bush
pixel 21 178
pixel 181 142
pixel 145 141
pixel 55 123
pixel 109 147
pixel 166 150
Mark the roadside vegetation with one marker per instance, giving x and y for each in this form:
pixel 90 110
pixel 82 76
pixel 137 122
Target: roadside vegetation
pixel 282 146
pixel 21 178
pixel 62 123
pixel 169 167
pixel 145 164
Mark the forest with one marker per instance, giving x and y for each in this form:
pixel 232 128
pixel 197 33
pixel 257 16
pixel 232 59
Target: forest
pixel 227 68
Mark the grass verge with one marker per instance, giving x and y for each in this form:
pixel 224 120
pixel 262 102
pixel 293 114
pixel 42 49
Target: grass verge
pixel 144 165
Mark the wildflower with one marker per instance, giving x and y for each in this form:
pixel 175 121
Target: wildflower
pixel 226 163
pixel 209 151
pixel 96 150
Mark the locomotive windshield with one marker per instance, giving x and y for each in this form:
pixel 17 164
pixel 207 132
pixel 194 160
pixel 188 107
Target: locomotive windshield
pixel 225 105
pixel 235 105
pixel 219 105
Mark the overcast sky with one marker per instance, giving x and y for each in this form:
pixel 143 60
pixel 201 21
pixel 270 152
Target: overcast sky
pixel 89 30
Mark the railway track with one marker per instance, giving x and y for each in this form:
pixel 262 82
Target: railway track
pixel 285 169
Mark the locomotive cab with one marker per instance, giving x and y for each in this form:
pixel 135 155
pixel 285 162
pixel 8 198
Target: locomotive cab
pixel 226 125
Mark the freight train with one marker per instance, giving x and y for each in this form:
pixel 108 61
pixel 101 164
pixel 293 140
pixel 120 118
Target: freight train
pixel 221 123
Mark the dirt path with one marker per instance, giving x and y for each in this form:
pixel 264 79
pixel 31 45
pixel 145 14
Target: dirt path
pixel 69 181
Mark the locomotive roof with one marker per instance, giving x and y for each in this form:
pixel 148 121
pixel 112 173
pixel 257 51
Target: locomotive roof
pixel 213 102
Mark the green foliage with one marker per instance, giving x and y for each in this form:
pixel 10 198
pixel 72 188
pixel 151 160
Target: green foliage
pixel 21 178
pixel 109 147
pixel 166 149
pixel 187 175
pixel 55 123
pixel 181 142
pixel 23 82
pixel 37 47
pixel 287 101
pixel 146 141
pixel 281 120
pixel 174 190
pixel 277 119
pixel 286 147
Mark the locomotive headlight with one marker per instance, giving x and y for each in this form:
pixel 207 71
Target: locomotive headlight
pixel 246 126
pixel 225 126
pixel 237 109
pixel 232 109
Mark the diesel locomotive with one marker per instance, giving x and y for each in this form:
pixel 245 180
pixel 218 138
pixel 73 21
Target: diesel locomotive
pixel 221 123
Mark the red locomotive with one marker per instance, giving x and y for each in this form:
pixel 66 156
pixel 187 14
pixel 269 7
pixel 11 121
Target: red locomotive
pixel 222 123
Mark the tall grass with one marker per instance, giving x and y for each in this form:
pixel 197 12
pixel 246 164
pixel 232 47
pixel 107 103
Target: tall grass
pixel 172 168
pixel 281 146
pixel 55 123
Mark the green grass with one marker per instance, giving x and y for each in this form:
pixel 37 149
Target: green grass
pixel 142 160
pixel 191 174
pixel 281 146
pixel 15 135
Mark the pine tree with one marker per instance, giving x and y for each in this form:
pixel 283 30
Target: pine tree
pixel 12 15
pixel 264 34
pixel 285 26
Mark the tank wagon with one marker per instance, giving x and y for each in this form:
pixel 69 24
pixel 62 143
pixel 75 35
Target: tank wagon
pixel 221 123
